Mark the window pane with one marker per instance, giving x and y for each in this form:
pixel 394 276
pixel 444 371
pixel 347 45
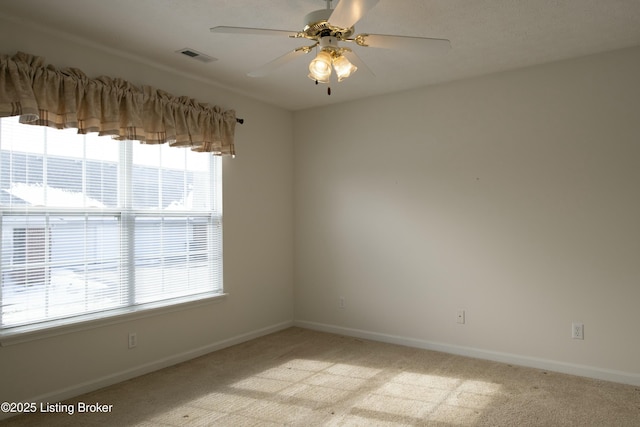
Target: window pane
pixel 65 143
pixel 172 258
pixel 58 175
pixel 171 178
pixel 21 138
pixel 90 224
pixel 101 184
pixel 102 148
pixel 146 176
pixel 54 267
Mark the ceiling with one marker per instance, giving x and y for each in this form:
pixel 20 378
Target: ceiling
pixel 486 36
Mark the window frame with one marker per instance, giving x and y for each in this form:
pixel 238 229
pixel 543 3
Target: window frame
pixel 126 215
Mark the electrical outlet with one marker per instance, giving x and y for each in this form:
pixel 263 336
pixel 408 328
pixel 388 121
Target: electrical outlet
pixel 460 317
pixel 577 331
pixel 341 303
pixel 133 339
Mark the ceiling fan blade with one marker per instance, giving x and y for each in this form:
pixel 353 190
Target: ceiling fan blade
pixel 256 31
pixel 402 42
pixel 348 12
pixel 358 62
pixel 280 61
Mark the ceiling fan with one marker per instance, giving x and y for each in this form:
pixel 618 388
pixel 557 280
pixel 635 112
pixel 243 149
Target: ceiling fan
pixel 328 28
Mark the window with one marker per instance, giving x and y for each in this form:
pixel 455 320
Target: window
pixel 94 227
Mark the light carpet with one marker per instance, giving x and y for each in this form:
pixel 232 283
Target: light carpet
pixel 299 377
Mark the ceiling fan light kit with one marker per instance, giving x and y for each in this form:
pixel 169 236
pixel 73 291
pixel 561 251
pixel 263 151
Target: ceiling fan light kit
pixel 330 55
pixel 327 28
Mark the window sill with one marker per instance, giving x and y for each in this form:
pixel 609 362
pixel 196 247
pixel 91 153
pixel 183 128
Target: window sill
pixel 23 334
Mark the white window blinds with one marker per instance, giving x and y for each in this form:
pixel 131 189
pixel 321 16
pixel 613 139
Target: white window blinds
pixel 94 227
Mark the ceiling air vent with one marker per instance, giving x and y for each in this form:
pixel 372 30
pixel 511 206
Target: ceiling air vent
pixel 192 53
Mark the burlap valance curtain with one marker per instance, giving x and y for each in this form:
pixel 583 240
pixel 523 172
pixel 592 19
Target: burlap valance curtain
pixel 66 98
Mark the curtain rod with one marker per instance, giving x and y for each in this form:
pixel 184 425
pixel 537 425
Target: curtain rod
pixel 241 121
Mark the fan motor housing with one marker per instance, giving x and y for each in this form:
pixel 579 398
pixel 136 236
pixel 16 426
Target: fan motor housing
pixel 317 25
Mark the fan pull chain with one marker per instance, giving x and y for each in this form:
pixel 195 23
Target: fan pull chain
pixel 328 88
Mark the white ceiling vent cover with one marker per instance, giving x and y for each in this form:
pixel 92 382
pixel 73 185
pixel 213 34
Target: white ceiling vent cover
pixel 192 53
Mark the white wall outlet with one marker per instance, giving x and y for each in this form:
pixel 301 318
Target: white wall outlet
pixel 341 303
pixel 460 317
pixel 577 330
pixel 133 339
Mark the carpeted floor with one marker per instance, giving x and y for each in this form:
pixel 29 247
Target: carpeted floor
pixel 299 377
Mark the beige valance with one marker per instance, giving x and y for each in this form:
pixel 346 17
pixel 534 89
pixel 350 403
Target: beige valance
pixel 66 98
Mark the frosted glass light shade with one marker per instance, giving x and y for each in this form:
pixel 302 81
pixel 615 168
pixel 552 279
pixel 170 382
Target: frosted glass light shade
pixel 343 67
pixel 320 67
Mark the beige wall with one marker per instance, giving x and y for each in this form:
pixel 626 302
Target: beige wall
pixel 514 196
pixel 258 244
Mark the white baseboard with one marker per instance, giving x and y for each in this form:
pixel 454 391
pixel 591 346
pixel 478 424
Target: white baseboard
pixel 95 384
pixel 514 359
